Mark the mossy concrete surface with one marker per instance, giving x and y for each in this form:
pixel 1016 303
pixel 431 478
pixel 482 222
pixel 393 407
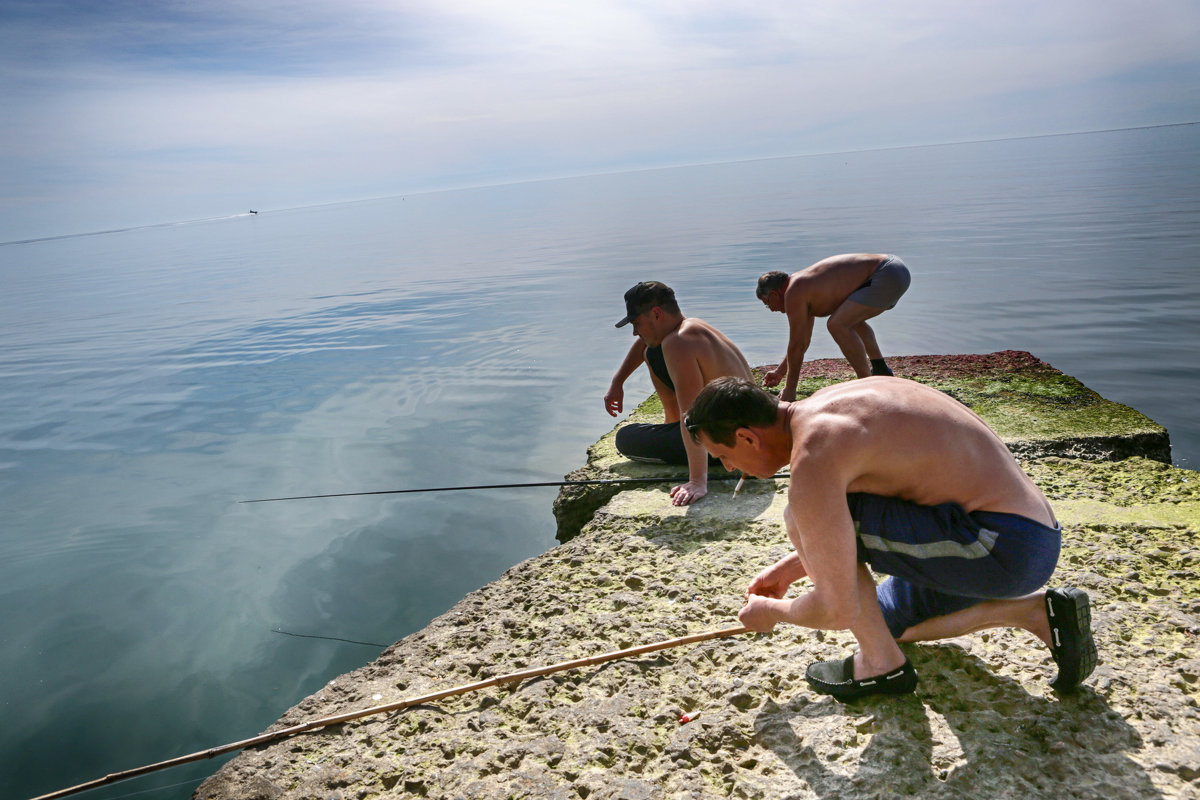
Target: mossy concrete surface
pixel 983 723
pixel 1038 411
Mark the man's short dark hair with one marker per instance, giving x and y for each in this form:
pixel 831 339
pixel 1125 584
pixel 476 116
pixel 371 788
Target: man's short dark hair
pixel 769 282
pixel 729 403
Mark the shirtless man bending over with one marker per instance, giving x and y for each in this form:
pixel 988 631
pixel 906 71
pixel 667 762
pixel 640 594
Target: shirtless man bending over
pixel 683 354
pixel 849 289
pixel 898 476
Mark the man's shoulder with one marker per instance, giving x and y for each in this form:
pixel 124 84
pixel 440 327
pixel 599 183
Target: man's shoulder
pixel 694 338
pixel 814 424
pixel 692 329
pixel 681 339
pixel 840 410
pixel 801 284
pixel 827 446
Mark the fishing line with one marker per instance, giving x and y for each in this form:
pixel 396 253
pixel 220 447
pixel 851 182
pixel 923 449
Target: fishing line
pixel 592 482
pixel 337 719
pixel 193 781
pixel 330 638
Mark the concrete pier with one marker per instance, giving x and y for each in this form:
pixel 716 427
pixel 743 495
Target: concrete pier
pixel 633 569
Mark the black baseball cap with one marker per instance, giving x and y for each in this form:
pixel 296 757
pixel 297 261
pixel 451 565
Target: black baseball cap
pixel 643 297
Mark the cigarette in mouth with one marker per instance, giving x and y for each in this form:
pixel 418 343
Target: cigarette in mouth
pixel 741 482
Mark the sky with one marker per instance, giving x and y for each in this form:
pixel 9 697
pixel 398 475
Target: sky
pixel 118 113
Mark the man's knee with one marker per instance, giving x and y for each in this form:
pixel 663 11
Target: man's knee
pixel 651 443
pixel 842 325
pixel 633 441
pixel 623 440
pixel 896 604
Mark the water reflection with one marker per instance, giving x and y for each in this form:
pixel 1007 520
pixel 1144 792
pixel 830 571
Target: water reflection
pixel 153 378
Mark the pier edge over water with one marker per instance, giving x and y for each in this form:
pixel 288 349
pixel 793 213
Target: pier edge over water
pixel 984 720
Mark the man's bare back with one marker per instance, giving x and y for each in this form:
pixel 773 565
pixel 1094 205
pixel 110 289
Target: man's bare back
pixel 825 285
pixel 696 345
pixel 898 438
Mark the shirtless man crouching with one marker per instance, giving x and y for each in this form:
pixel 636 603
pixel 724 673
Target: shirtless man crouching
pixel 683 354
pixel 898 476
pixel 849 289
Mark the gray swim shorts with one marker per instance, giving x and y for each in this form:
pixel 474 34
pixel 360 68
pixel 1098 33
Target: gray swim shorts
pixel 885 286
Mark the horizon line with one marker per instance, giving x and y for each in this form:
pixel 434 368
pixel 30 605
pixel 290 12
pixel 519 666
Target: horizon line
pixel 573 176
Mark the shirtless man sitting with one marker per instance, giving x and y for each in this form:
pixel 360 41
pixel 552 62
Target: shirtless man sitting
pixel 849 289
pixel 898 476
pixel 683 354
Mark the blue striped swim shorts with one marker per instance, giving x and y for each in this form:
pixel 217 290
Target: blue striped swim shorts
pixel 942 559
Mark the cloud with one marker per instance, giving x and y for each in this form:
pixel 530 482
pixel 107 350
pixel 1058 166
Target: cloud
pixel 314 100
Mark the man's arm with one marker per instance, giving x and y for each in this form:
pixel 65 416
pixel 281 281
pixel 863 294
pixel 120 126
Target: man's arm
pixel 776 375
pixel 800 325
pixel 614 399
pixel 683 364
pixel 775 579
pixel 822 532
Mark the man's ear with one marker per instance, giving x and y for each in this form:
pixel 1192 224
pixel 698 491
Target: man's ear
pixel 748 435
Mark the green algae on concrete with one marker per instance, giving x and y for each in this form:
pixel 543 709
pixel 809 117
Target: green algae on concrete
pixel 575 504
pixel 983 722
pixel 1038 411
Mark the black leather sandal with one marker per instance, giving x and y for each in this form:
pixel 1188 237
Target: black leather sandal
pixel 836 678
pixel 1071 641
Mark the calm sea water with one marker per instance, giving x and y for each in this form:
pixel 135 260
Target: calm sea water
pixel 152 378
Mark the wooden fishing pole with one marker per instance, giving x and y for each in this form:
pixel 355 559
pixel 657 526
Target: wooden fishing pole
pixel 590 482
pixel 337 719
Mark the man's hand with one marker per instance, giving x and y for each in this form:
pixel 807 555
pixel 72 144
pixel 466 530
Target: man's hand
pixel 759 614
pixel 688 493
pixel 787 395
pixel 773 377
pixel 614 400
pixel 775 579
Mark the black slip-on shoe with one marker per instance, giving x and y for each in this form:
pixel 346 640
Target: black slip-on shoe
pixel 1071 641
pixel 836 678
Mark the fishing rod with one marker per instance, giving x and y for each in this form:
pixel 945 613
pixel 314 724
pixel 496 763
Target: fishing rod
pixel 589 482
pixel 337 719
